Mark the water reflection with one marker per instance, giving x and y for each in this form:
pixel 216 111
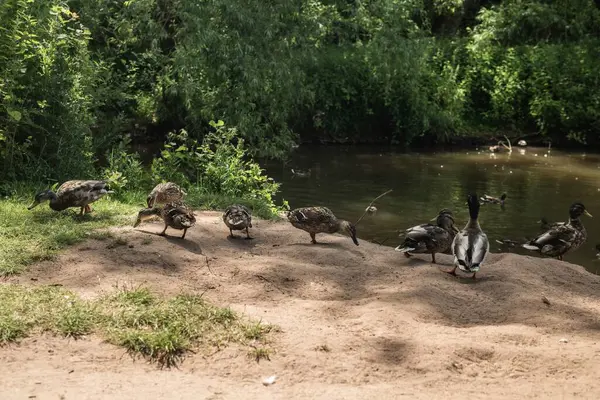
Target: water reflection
pixel 538 183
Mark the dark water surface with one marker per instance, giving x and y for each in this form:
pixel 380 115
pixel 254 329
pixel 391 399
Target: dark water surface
pixel 537 182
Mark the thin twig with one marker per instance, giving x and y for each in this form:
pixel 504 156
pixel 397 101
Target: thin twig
pixel 208 265
pixel 370 204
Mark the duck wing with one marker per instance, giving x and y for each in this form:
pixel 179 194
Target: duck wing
pixel 312 215
pixel 470 249
pixel 555 240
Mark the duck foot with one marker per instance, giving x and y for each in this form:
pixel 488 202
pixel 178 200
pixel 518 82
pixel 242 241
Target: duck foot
pixel 249 238
pixel 407 255
pixel 451 272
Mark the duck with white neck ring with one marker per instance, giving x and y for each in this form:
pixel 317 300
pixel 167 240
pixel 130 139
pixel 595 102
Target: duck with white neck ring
pixel 471 245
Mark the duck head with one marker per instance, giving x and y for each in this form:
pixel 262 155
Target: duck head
pixel 41 197
pixel 350 229
pixel 473 203
pixel 577 210
pixel 145 214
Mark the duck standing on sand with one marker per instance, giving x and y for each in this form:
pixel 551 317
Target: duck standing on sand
pixel 493 200
pixel 562 238
pixel 429 238
pixel 165 193
pixel 75 193
pixel 470 246
pixel 320 220
pixel 176 215
pixel 238 217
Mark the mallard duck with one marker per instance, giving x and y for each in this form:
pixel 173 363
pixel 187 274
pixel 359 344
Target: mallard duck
pixel 494 200
pixel 320 220
pixel 75 193
pixel 238 217
pixel 470 246
pixel 429 238
pixel 176 215
pixel 165 193
pixel 562 238
pixel 301 174
pixel 545 225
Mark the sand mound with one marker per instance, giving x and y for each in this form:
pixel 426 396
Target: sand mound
pixel 356 322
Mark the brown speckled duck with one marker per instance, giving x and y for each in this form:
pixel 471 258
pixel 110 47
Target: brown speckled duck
pixel 320 220
pixel 165 193
pixel 75 193
pixel 238 217
pixel 562 238
pixel 430 238
pixel 176 215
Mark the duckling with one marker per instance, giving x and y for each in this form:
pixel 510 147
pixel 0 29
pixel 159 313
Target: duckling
pixel 562 238
pixel 75 193
pixel 165 193
pixel 429 238
pixel 545 225
pixel 470 246
pixel 494 200
pixel 320 220
pixel 176 215
pixel 238 217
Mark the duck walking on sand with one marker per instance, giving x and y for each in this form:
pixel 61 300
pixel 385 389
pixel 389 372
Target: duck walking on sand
pixel 238 217
pixel 74 193
pixel 163 193
pixel 430 238
pixel 176 215
pixel 320 220
pixel 562 237
pixel 470 246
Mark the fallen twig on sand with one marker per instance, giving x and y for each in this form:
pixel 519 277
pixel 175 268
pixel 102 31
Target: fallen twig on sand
pixel 371 204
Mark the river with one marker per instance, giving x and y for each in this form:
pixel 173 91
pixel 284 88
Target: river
pixel 538 182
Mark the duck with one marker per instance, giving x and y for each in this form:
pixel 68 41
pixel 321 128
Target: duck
pixel 545 225
pixel 176 215
pixel 320 220
pixel 301 174
pixel 165 192
pixel 73 193
pixel 470 246
pixel 493 200
pixel 430 238
pixel 238 217
pixel 562 238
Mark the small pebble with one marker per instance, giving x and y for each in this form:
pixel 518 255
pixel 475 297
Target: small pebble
pixel 270 380
pixel 563 340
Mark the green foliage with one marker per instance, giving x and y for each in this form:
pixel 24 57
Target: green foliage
pixel 219 165
pixel 124 171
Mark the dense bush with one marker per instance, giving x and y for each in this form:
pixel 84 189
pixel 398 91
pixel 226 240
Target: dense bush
pixel 77 76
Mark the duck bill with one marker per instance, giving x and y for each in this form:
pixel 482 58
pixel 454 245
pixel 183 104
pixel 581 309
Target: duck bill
pixel 137 222
pixel 355 240
pixel 33 205
pixel 587 213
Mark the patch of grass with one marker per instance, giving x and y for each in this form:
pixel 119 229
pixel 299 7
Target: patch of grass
pixel 260 353
pixel 30 236
pixel 161 330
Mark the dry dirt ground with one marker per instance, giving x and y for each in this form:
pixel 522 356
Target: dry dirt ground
pixel 393 327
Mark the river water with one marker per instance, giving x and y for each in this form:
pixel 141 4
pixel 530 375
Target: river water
pixel 538 182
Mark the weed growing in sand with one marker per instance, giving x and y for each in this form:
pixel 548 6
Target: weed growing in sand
pixel 260 353
pixel 161 330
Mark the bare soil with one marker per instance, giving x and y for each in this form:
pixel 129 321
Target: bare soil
pixel 356 322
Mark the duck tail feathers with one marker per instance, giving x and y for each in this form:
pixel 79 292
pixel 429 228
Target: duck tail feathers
pixel 404 249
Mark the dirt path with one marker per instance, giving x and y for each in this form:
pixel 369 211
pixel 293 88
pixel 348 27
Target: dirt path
pixel 356 322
